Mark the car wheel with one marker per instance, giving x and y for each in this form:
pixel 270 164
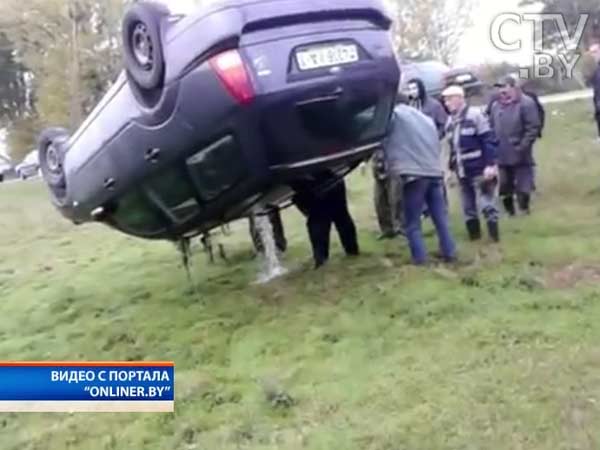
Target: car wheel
pixel 52 155
pixel 142 46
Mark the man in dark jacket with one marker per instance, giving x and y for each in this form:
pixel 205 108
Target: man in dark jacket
pixel 516 124
pixel 595 52
pixel 322 208
pixel 529 92
pixel 418 98
pixel 494 97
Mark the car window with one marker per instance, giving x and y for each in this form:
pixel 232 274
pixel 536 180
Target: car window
pixel 175 192
pixel 355 121
pixel 135 213
pixel 31 158
pixel 217 169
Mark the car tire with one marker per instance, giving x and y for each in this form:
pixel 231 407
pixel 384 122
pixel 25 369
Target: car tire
pixel 142 44
pixel 52 152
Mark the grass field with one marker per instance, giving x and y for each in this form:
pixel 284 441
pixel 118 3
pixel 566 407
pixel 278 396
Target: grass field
pixel 369 353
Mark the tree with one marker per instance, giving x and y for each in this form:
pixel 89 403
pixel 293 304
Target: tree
pixel 14 98
pixel 571 10
pixel 72 50
pixel 21 137
pixel 430 28
pixel 552 39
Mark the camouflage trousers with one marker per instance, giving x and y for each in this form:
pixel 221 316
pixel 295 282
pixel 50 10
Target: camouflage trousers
pixel 388 204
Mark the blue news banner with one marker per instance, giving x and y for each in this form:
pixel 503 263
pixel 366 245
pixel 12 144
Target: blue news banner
pixel 91 382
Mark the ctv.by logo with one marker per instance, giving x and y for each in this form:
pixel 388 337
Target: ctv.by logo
pixel 546 58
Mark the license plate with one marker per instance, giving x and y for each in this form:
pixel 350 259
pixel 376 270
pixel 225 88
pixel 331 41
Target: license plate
pixel 334 55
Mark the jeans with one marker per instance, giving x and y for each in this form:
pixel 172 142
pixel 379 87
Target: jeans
pixel 478 195
pixel 446 202
pixel 427 192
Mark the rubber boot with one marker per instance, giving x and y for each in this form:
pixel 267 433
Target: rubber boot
pixel 524 200
pixel 474 229
pixel 509 205
pixel 494 231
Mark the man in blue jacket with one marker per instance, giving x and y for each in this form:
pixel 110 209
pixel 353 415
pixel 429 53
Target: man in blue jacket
pixel 473 158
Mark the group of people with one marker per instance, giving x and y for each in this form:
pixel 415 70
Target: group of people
pixel 490 151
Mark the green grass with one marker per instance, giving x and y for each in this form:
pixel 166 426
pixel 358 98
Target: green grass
pixel 502 353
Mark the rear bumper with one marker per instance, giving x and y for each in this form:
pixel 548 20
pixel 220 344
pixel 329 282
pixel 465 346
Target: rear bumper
pixel 348 157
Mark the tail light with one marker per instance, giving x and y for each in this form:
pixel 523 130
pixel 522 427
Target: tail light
pixel 232 72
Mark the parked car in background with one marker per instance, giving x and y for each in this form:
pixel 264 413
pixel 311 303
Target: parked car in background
pixel 29 167
pixel 221 110
pixel 437 76
pixel 466 78
pixel 432 74
pixel 6 169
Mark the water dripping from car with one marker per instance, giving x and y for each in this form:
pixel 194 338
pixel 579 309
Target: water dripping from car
pixel 272 266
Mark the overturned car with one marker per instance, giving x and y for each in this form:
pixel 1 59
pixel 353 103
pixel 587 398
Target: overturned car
pixel 221 110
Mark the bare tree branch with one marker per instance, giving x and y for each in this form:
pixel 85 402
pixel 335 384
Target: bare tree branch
pixel 431 28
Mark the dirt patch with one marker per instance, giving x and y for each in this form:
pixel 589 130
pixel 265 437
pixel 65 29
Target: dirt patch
pixel 570 276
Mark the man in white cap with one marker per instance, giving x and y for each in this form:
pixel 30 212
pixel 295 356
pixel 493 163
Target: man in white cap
pixel 473 158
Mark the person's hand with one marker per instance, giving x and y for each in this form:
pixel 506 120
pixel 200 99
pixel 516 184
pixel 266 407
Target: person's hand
pixel 452 164
pixel 490 172
pixel 450 180
pixel 518 146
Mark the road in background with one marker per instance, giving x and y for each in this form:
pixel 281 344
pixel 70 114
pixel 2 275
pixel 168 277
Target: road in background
pixel 567 96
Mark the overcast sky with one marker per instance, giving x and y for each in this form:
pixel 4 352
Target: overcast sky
pixel 477 45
